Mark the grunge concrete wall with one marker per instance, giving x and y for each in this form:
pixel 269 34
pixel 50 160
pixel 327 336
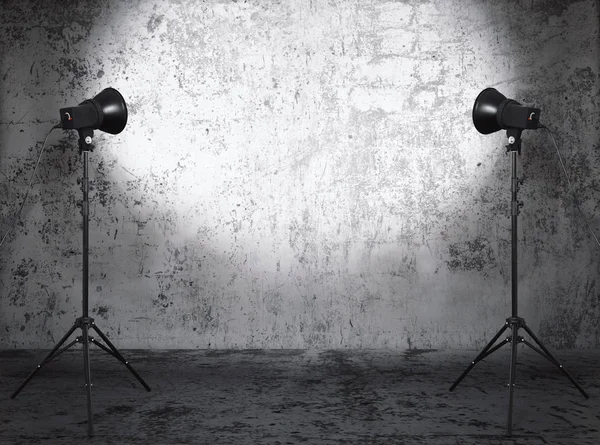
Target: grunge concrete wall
pixel 299 174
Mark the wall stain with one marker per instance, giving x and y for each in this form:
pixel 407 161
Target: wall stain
pixel 471 255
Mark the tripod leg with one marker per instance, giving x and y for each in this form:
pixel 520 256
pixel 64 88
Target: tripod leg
pixel 482 354
pixel 495 348
pixel 88 378
pixel 548 355
pixel 104 348
pixel 113 351
pixel 511 378
pixel 539 351
pixel 51 355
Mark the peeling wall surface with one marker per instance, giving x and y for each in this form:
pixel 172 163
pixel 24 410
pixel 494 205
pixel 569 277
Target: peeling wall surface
pixel 299 174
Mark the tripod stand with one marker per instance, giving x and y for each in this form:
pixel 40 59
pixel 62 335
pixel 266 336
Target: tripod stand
pixel 515 322
pixel 85 323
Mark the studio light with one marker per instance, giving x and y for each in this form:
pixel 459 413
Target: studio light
pixel 105 112
pixel 492 112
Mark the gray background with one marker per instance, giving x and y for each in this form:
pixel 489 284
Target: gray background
pixel 299 174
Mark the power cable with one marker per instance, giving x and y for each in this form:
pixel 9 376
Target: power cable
pixel 18 214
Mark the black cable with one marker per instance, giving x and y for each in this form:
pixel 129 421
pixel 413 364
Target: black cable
pixel 575 200
pixel 18 214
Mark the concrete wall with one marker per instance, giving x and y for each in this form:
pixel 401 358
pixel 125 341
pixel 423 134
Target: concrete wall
pixel 299 174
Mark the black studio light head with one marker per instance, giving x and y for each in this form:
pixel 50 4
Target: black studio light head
pixel 492 112
pixel 106 112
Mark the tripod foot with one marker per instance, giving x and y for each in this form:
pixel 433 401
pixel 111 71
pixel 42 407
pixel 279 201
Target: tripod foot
pixel 515 323
pixel 483 354
pixel 544 352
pixel 55 352
pixel 112 350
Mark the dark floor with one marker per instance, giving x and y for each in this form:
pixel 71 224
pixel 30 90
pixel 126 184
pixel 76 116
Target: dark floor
pixel 289 397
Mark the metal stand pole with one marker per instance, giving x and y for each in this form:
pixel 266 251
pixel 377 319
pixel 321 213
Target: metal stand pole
pixel 515 322
pixel 86 274
pixel 84 322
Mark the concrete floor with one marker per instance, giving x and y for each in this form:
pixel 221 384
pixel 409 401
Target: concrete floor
pixel 289 397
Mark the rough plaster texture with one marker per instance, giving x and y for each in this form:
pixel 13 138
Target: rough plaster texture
pixel 299 174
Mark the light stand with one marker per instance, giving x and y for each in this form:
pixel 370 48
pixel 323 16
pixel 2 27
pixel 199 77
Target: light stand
pixel 111 117
pixel 514 322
